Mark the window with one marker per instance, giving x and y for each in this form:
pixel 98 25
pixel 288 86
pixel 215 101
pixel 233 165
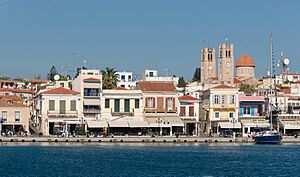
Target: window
pixel 216 99
pixel 150 102
pixel 4 116
pixel 136 103
pixel 223 99
pixel 62 106
pixel 117 105
pixel 150 74
pixel 51 105
pixel 217 115
pixel 122 77
pixel 232 99
pixel 62 84
pixel 231 114
pixel 246 110
pixel 91 92
pixel 89 73
pixel 106 103
pixel 127 105
pixel 170 103
pixel 17 116
pixel 73 105
pixel 129 77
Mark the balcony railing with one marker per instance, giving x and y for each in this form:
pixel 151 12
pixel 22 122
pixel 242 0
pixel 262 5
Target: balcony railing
pixel 91 111
pixel 91 95
pixel 58 113
pixel 122 113
pixel 155 110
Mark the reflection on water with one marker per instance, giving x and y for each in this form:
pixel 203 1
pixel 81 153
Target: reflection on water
pixel 148 159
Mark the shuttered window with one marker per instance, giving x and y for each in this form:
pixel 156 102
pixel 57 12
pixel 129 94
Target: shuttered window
pixel 73 105
pixel 51 105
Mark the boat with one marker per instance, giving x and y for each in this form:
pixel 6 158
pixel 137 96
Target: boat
pixel 270 137
pixel 267 137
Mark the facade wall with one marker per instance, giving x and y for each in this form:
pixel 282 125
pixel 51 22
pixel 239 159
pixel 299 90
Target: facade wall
pixel 11 116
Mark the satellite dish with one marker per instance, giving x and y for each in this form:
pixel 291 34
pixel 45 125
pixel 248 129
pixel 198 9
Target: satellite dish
pixel 56 77
pixel 286 61
pixel 290 78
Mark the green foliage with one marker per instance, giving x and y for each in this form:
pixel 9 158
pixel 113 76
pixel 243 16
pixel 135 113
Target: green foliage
pixel 4 78
pixel 109 78
pixel 247 88
pixel 80 130
pixel 19 79
pixel 52 73
pixel 181 82
pixel 197 75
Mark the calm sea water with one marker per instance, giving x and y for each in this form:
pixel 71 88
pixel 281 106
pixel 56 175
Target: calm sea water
pixel 149 160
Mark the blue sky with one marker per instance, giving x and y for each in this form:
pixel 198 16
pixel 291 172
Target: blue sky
pixel 138 34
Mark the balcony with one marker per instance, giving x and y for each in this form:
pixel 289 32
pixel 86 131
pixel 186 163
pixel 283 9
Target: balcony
pixel 91 111
pixel 59 114
pixel 91 93
pixel 122 113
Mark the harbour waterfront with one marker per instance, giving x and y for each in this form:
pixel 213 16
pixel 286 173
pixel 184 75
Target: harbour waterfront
pixel 149 159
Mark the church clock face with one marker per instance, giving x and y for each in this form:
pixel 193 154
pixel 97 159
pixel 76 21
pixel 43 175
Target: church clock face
pixel 210 67
pixel 228 65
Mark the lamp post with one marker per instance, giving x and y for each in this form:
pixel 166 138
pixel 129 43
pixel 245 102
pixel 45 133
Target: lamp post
pixel 159 121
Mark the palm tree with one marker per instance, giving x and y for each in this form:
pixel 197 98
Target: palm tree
pixel 109 78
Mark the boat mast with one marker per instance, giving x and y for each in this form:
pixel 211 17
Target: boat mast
pixel 271 81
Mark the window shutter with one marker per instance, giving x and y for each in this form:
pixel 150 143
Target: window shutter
pixel 241 111
pixel 146 102
pixel 166 104
pixel 173 99
pixel 153 103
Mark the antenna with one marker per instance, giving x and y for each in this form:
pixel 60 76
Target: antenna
pixel 271 76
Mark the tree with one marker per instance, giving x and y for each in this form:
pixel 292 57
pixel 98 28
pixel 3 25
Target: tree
pixel 109 78
pixel 197 75
pixel 4 78
pixel 37 76
pixel 181 82
pixel 52 73
pixel 78 69
pixel 247 88
pixel 19 79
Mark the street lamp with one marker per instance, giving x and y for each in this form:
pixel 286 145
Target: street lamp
pixel 159 121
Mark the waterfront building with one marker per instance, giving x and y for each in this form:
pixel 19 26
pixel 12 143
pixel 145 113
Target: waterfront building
pixel 208 65
pixel 122 109
pixel 226 64
pixel 252 113
pixel 125 80
pixel 58 111
pixel 14 115
pixel 89 84
pixel 160 100
pixel 220 106
pixel 245 68
pixel 189 113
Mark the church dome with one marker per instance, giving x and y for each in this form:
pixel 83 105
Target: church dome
pixel 245 61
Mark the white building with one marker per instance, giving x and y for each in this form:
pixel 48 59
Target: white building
pixel 89 84
pixel 152 75
pixel 125 80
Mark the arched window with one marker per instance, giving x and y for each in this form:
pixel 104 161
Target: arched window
pixel 229 53
pixel 226 54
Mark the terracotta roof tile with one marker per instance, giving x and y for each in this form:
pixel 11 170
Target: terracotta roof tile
pixel 156 86
pixel 60 91
pixel 188 98
pixel 236 80
pixel 38 81
pixel 91 79
pixel 223 86
pixel 119 88
pixel 245 61
pixel 22 91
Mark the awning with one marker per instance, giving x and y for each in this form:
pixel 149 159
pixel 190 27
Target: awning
pixel 97 124
pixel 255 123
pixel 292 125
pixel 165 122
pixel 137 123
pixel 230 125
pixel 174 121
pixel 118 123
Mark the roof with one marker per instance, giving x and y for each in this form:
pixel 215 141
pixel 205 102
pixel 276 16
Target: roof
pixel 156 86
pixel 22 91
pixel 236 80
pixel 188 98
pixel 60 91
pixel 119 88
pixel 11 97
pixel 37 81
pixel 222 86
pixel 5 90
pixel 8 81
pixel 245 61
pixel 10 103
pixel 91 79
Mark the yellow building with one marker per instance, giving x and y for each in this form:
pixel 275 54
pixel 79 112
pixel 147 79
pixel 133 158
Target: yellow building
pixel 220 109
